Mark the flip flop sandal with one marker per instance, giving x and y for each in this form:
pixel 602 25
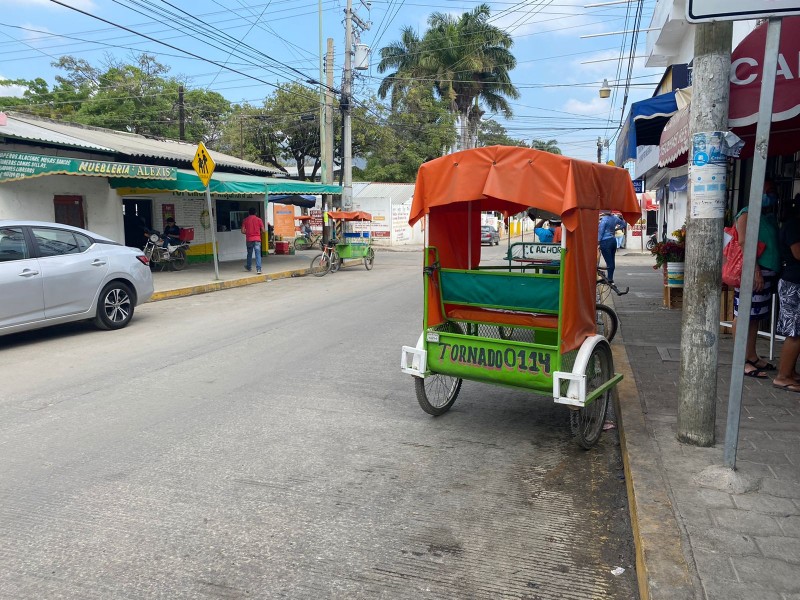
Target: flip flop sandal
pixel 765 367
pixel 788 387
pixel 756 373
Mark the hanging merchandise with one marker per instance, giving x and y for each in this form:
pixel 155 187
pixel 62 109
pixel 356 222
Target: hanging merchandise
pixel 732 258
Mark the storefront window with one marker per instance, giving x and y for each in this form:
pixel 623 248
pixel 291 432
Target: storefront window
pixel 231 213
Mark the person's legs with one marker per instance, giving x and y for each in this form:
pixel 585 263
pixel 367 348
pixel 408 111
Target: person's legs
pixel 789 326
pixel 608 248
pixel 249 264
pixel 257 251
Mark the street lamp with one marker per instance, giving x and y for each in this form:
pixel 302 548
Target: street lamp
pixel 605 90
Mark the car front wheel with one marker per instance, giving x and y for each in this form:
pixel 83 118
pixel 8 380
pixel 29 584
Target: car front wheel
pixel 115 306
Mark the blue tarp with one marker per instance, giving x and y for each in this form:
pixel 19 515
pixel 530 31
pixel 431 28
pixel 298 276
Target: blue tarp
pixel 644 124
pixel 300 200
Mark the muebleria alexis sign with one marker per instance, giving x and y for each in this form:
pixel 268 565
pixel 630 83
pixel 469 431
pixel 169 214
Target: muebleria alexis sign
pixel 17 165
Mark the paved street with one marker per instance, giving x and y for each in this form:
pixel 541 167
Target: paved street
pixel 261 442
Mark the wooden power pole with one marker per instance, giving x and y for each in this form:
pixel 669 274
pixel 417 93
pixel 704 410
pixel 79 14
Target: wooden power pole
pixel 703 264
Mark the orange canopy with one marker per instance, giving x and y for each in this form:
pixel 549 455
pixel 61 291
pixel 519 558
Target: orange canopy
pixel 510 180
pixel 354 215
pixel 453 190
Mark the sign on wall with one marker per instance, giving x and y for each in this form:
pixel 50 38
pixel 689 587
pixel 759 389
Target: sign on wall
pixel 703 11
pixel 15 166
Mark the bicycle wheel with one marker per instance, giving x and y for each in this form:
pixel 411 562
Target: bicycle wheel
pixel 178 261
pixel 336 262
pixel 607 321
pixel 302 243
pixel 506 333
pixel 586 424
pixel 369 258
pixel 320 265
pixel 436 393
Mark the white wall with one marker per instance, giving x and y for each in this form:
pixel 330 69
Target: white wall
pixel 33 199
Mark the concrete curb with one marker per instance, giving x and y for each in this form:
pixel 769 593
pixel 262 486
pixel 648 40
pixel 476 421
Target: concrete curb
pixel 216 286
pixel 225 285
pixel 661 568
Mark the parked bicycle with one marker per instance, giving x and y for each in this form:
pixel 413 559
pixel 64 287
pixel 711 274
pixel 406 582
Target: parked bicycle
pixel 307 241
pixel 605 316
pixel 327 261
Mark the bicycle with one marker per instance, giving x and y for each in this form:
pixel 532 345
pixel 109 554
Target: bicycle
pixel 327 261
pixel 605 317
pixel 305 242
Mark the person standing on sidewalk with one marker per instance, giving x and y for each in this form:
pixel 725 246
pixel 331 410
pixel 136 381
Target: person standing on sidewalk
pixel 768 264
pixel 607 241
pixel 252 228
pixel 789 316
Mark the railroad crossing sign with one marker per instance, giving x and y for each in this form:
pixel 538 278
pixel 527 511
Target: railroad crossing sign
pixel 203 164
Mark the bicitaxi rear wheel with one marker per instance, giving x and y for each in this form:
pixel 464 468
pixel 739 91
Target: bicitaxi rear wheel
pixel 586 424
pixel 369 258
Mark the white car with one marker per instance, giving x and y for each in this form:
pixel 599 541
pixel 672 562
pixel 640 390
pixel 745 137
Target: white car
pixel 52 273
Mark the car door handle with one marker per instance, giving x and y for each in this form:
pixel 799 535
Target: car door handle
pixel 98 263
pixel 28 273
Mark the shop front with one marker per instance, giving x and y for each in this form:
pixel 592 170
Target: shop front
pixel 232 196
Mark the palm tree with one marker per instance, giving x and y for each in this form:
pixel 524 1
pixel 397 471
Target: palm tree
pixel 465 59
pixel 404 57
pixel 470 60
pixel 547 146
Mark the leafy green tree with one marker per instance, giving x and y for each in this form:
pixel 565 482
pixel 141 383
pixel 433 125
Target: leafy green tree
pixel 492 133
pixel 414 131
pixel 465 59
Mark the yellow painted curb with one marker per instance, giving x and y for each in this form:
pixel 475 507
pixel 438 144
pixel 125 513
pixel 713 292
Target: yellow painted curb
pixel 224 285
pixel 661 567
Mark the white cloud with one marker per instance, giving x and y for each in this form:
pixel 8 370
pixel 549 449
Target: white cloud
pixel 595 107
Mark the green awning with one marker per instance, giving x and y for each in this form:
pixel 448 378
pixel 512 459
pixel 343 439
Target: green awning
pixel 222 184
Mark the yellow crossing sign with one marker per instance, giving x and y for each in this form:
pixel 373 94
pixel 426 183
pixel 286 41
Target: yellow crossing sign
pixel 203 164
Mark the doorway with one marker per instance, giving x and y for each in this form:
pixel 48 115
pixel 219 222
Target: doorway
pixel 137 216
pixel 69 210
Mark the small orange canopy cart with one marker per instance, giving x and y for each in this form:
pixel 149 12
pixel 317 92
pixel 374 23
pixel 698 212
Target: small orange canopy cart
pixel 502 325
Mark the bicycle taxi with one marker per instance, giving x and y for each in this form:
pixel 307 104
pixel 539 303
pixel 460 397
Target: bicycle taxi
pixel 353 234
pixel 510 325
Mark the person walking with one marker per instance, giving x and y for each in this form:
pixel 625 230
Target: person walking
pixel 252 228
pixel 607 241
pixel 768 264
pixel 788 378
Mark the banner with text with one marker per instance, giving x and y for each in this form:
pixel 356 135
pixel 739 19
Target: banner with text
pixel 15 166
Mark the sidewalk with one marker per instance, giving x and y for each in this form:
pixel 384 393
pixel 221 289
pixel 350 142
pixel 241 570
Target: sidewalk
pixel 696 539
pixel 199 278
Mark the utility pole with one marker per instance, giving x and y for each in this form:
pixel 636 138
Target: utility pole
pixel 697 389
pixel 347 88
pixel 181 115
pixel 599 149
pixel 346 104
pixel 327 150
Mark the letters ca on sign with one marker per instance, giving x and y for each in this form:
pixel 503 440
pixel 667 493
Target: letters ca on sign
pixel 746 70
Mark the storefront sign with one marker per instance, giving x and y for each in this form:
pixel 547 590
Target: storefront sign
pixel 638 186
pixel 17 165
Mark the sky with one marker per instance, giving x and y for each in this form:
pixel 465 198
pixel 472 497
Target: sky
pixel 558 73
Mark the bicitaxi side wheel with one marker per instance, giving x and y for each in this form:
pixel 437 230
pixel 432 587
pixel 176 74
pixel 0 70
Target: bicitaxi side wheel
pixel 436 393
pixel 369 258
pixel 586 424
pixel 302 243
pixel 320 265
pixel 606 320
pixel 114 306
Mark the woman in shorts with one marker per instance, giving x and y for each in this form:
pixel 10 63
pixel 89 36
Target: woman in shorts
pixel 789 317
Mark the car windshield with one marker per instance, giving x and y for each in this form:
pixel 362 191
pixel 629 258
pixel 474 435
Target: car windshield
pixel 486 228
